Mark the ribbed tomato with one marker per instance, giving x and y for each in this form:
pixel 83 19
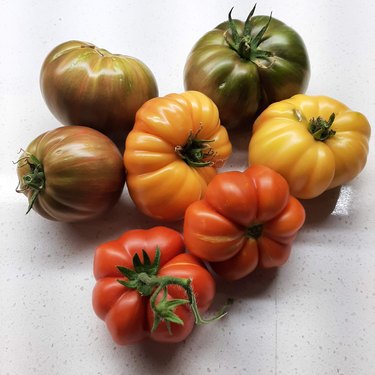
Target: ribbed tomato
pixel 315 142
pixel 160 298
pixel 247 219
pixel 176 145
pixel 245 66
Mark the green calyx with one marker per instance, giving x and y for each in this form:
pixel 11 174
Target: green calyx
pixel 144 279
pixel 246 45
pixel 33 181
pixel 321 129
pixel 255 231
pixel 196 152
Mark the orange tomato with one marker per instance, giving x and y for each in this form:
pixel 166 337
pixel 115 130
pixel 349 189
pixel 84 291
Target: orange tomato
pixel 247 219
pixel 173 152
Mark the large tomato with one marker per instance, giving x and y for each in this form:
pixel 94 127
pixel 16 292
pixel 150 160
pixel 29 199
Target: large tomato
pixel 315 142
pixel 246 219
pixel 160 298
pixel 172 153
pixel 71 173
pixel 86 85
pixel 245 66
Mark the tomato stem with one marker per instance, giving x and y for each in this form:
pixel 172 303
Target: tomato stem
pixel 321 129
pixel 33 181
pixel 145 280
pixel 247 45
pixel 255 231
pixel 196 152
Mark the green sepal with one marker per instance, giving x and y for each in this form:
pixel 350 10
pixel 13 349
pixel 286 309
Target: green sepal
pixel 321 129
pixel 235 36
pixel 247 45
pixel 127 272
pixel 143 277
pixel 34 181
pixel 131 284
pixel 196 151
pixel 258 38
pixel 164 311
pixel 247 25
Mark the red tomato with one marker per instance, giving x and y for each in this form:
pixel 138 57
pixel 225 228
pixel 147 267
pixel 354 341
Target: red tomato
pixel 160 298
pixel 246 219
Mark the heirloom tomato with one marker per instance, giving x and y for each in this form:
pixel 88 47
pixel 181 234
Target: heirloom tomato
pixel 86 85
pixel 315 142
pixel 71 173
pixel 172 153
pixel 160 298
pixel 246 219
pixel 245 66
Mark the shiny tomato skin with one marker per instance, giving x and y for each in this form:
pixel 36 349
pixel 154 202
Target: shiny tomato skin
pixel 281 139
pixel 86 85
pixel 83 172
pixel 246 219
pixel 160 181
pixel 241 86
pixel 127 314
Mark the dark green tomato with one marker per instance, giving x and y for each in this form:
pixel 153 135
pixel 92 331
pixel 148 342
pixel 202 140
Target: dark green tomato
pixel 244 67
pixel 71 173
pixel 86 85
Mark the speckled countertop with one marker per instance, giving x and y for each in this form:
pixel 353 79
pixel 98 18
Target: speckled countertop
pixel 313 316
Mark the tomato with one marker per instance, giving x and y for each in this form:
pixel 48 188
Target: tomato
pixel 315 142
pixel 86 85
pixel 159 299
pixel 172 153
pixel 245 66
pixel 247 219
pixel 71 173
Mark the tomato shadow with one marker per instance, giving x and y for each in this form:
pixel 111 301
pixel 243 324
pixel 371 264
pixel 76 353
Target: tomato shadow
pixel 320 208
pixel 240 137
pixel 258 283
pixel 122 217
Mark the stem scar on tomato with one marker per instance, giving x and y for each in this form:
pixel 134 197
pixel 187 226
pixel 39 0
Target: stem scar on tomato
pixel 321 129
pixel 144 279
pixel 196 152
pixel 34 181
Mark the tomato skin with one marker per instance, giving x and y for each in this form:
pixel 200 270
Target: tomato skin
pixel 83 172
pixel 127 314
pixel 160 182
pixel 242 87
pixel 86 85
pixel 247 219
pixel 282 140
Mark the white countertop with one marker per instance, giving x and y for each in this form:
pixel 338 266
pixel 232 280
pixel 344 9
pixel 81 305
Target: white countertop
pixel 313 316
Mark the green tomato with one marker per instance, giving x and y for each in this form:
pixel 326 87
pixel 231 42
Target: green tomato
pixel 89 86
pixel 245 66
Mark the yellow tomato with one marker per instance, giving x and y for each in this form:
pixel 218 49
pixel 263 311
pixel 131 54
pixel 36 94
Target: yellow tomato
pixel 315 142
pixel 172 153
